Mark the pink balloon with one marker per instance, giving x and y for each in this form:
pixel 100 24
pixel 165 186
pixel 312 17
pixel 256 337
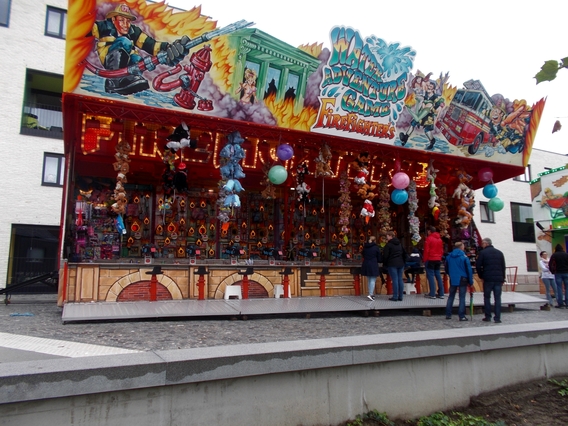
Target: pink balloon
pixel 485 174
pixel 400 180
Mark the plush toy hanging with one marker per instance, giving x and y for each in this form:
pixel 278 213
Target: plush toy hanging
pixel 231 171
pixel 465 195
pixel 433 203
pixel 322 162
pixel 302 188
pixel 268 193
pixel 121 166
pixel 361 167
pixel 175 178
pixel 344 204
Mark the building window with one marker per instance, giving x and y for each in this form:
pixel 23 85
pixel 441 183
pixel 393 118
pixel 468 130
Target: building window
pixel 532 261
pixel 523 223
pixel 525 177
pixel 53 169
pixel 486 213
pixel 41 115
pixel 56 22
pixel 4 13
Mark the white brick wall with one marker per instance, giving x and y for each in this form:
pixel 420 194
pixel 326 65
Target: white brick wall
pixel 501 232
pixel 22 197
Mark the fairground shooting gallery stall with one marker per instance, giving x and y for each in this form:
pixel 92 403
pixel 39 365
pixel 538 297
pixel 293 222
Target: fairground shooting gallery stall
pixel 191 145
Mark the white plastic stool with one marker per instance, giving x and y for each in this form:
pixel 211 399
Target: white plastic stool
pixel 278 291
pixel 409 288
pixel 233 290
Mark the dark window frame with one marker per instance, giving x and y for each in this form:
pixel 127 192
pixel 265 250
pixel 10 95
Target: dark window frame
pixel 62 13
pixel 532 261
pixel 5 7
pixel 489 214
pixel 523 232
pixel 60 169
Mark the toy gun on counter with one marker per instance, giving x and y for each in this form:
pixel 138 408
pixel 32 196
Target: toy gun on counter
pixel 338 253
pixel 269 251
pixel 304 252
pixel 181 47
pixel 232 251
pixel 191 251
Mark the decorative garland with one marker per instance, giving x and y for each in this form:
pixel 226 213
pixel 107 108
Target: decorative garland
pixel 413 220
pixel 444 224
pixel 121 166
pixel 345 204
pixel 384 205
pixel 465 195
pixel 302 188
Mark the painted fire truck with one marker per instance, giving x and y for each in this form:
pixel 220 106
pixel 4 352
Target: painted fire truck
pixel 468 118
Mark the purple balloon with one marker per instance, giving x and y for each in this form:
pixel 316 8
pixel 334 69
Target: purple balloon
pixel 284 152
pixel 485 174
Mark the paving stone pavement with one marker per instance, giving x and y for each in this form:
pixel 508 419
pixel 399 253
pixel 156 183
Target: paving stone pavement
pixel 39 316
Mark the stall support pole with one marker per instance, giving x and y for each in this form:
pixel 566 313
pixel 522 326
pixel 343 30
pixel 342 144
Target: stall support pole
pixel 389 285
pixel 418 284
pixel 446 285
pixel 153 288
pixel 286 285
pixel 245 287
pixel 322 285
pixel 357 284
pixel 201 271
pixel 65 274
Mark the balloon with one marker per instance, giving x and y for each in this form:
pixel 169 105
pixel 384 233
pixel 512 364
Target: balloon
pixel 400 180
pixel 485 174
pixel 436 212
pixel 284 152
pixel 490 191
pixel 277 175
pixel 399 196
pixel 495 204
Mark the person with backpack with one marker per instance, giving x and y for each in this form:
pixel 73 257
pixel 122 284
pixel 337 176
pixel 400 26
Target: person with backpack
pixel 458 268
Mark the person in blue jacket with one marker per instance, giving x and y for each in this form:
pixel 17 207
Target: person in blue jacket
pixel 458 266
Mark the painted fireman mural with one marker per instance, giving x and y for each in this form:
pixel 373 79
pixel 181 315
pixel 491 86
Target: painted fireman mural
pixel 362 87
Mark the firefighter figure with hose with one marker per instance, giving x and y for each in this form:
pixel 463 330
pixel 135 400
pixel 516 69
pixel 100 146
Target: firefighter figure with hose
pixel 118 43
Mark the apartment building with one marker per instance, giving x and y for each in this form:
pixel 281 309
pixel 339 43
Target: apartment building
pixel 31 83
pixel 33 160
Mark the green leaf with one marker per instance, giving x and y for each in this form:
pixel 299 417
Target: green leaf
pixel 547 72
pixel 564 62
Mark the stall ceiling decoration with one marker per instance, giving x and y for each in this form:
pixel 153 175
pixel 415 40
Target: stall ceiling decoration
pixel 364 88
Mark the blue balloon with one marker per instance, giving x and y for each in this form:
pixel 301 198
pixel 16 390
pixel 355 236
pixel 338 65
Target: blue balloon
pixel 399 196
pixel 490 191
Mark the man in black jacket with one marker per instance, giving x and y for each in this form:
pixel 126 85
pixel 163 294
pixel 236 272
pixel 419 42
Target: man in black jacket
pixel 558 265
pixel 490 267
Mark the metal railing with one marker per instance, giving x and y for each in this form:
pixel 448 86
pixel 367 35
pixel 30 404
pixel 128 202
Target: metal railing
pixel 42 120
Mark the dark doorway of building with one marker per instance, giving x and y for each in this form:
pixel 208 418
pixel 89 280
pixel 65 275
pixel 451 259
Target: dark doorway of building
pixel 33 254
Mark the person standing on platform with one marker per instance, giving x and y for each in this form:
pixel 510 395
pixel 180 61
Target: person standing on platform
pixel 433 253
pixel 491 269
pixel 458 267
pixel 370 267
pixel 394 258
pixel 558 265
pixel 547 278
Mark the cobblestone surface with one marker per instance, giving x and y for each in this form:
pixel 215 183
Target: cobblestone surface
pixel 39 316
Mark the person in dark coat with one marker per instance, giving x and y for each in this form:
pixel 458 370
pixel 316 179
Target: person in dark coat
pixel 491 269
pixel 458 266
pixel 558 265
pixel 370 267
pixel 394 258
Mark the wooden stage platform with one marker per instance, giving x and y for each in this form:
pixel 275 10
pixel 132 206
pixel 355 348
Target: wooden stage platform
pixel 109 311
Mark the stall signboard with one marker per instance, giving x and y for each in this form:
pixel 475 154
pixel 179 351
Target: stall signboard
pixel 549 193
pixel 363 87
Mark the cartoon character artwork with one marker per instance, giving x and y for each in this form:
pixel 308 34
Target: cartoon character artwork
pixel 126 48
pixel 424 103
pixel 247 89
pixel 509 128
